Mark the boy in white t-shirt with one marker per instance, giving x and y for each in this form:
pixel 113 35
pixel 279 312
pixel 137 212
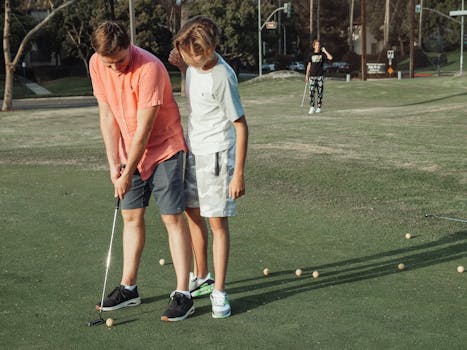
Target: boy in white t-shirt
pixel 217 139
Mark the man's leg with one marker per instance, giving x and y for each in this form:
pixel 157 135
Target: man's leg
pixel 134 235
pixel 180 247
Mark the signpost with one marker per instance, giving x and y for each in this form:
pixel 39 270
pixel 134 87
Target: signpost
pixel 461 13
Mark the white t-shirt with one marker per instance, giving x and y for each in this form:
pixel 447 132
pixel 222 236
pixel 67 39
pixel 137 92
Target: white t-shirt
pixel 214 104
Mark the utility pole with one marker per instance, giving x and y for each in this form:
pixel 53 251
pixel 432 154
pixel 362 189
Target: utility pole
pixel 412 38
pixel 317 21
pixel 420 23
pixel 132 22
pixel 386 25
pixel 311 22
pixel 350 39
pixel 363 14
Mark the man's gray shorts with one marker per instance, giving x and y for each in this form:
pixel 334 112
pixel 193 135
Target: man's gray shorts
pixel 166 184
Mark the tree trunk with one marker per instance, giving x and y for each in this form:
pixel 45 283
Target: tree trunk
pixel 363 14
pixel 9 64
pixel 7 94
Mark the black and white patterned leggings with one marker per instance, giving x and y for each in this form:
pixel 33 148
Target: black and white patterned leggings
pixel 318 84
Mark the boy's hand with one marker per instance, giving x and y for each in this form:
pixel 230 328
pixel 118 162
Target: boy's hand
pixel 176 59
pixel 236 187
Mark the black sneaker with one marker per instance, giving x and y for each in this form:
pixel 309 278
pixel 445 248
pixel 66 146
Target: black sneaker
pixel 118 298
pixel 180 307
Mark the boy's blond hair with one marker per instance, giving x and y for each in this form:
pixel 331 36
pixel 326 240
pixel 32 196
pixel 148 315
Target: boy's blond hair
pixel 197 36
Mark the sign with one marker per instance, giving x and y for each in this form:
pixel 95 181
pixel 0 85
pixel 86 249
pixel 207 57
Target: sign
pixel 271 25
pixel 376 68
pixel 457 13
pixel 418 8
pixel 390 54
pixel 390 70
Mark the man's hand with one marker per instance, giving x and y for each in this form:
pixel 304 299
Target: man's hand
pixel 236 187
pixel 122 185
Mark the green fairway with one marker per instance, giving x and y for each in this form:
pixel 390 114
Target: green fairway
pixel 334 192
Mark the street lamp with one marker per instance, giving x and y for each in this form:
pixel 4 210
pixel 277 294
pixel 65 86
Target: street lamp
pixel 287 8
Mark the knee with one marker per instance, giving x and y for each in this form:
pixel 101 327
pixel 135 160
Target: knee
pixel 133 216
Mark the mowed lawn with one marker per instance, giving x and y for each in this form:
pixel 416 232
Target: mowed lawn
pixel 334 193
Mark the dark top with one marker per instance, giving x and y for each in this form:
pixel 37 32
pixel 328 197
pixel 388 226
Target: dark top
pixel 317 60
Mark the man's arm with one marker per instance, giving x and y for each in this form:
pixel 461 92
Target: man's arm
pixel 307 75
pixel 237 184
pixel 145 121
pixel 110 134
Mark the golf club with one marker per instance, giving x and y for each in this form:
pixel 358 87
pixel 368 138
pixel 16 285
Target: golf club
pixel 304 93
pixel 445 218
pixel 100 320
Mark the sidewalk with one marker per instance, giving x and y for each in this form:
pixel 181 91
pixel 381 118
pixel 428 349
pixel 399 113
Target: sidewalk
pixel 54 102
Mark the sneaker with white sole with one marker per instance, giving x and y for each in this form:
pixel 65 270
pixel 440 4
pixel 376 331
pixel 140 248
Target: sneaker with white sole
pixel 220 305
pixel 180 307
pixel 318 110
pixel 312 110
pixel 201 286
pixel 119 298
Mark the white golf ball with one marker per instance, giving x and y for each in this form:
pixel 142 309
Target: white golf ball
pixel 162 262
pixel 460 268
pixel 298 272
pixel 266 271
pixel 408 236
pixel 315 274
pixel 109 322
pixel 401 266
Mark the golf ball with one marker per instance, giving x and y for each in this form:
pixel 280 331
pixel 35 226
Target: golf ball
pixel 162 262
pixel 408 236
pixel 298 272
pixel 315 274
pixel 401 266
pixel 266 271
pixel 460 268
pixel 109 322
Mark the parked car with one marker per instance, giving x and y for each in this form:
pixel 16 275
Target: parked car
pixel 268 67
pixel 342 67
pixel 297 66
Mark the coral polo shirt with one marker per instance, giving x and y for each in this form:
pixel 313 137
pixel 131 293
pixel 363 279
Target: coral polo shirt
pixel 145 84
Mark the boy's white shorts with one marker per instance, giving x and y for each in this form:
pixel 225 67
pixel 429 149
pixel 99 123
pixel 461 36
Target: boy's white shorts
pixel 207 179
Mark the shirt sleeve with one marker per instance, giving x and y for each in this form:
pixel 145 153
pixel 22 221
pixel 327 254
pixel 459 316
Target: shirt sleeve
pixel 96 80
pixel 228 96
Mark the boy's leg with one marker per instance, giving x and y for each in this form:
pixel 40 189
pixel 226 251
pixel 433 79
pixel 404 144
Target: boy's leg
pixel 312 91
pixel 220 249
pixel 320 88
pixel 199 240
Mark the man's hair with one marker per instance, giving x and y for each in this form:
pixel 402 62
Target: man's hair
pixel 109 38
pixel 197 35
pixel 314 42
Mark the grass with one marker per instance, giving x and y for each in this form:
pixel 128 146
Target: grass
pixel 334 192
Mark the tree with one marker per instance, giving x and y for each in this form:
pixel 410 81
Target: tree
pixel 10 64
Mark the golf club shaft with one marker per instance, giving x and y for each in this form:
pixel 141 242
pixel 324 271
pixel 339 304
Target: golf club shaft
pixel 445 218
pixel 304 93
pixel 109 254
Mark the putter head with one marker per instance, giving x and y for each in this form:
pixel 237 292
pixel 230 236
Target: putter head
pixel 96 322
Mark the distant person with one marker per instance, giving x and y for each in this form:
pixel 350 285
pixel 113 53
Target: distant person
pixel 217 139
pixel 315 75
pixel 141 129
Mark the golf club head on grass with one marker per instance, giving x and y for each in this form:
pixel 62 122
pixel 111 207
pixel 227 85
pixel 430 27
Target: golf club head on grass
pixel 96 322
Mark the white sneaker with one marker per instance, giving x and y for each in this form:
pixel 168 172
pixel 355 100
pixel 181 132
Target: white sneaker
pixel 318 110
pixel 312 110
pixel 220 304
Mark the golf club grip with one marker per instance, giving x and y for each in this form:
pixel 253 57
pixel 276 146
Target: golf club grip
pixel 117 203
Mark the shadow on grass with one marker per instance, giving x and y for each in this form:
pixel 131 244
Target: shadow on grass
pixel 434 99
pixel 280 284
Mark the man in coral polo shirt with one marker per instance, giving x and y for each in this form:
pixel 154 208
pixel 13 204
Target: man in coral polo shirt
pixel 141 129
